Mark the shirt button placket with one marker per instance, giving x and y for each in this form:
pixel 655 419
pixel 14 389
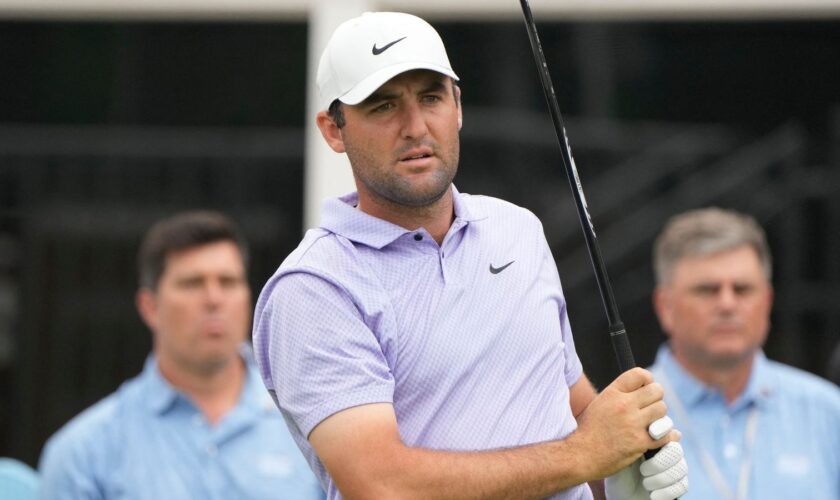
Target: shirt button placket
pixel 214 478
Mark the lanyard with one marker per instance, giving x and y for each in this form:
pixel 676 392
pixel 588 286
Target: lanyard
pixel 706 461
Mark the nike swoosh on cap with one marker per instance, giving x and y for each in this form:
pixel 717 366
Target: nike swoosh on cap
pixel 497 270
pixel 376 50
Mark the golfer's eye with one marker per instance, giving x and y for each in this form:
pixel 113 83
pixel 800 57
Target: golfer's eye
pixel 431 98
pixel 743 289
pixel 381 108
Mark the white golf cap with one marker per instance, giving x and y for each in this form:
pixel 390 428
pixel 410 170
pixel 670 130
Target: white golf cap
pixel 367 51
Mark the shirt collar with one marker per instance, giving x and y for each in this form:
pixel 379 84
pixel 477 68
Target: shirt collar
pixel 161 396
pixel 691 391
pixel 761 387
pixel 340 216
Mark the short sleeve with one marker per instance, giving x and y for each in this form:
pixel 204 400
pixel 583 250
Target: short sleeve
pixel 67 466
pixel 573 367
pixel 317 350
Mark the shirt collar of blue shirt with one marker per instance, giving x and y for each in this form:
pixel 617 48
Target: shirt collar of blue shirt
pixel 691 391
pixel 162 396
pixel 341 217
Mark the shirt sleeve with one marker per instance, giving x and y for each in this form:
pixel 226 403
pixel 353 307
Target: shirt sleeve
pixel 318 350
pixel 66 469
pixel 573 367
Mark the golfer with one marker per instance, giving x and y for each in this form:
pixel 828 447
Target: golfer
pixel 418 342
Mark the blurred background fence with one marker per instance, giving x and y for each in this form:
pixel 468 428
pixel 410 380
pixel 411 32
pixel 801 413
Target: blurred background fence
pixel 106 126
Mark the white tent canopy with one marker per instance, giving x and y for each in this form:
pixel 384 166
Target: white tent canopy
pixel 450 9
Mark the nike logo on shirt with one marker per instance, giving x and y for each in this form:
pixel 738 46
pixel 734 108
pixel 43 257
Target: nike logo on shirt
pixel 497 270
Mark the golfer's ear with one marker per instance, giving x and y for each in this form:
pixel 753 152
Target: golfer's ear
pixel 330 131
pixel 458 105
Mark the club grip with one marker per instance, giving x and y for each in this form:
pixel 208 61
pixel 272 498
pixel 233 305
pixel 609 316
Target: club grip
pixel 624 355
pixel 621 346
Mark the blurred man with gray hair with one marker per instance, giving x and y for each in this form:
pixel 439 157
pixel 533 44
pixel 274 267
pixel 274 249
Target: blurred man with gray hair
pixel 752 428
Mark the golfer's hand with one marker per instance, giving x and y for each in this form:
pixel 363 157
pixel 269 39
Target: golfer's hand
pixel 614 427
pixel 663 477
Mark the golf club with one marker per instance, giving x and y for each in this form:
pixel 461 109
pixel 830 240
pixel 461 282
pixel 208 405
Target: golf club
pixel 620 342
pixel 618 335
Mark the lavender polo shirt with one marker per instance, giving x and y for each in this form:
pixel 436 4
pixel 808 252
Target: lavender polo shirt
pixel 469 340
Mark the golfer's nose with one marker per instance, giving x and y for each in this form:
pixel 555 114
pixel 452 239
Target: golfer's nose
pixel 413 121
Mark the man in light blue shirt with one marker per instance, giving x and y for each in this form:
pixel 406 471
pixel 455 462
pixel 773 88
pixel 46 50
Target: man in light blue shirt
pixel 752 428
pixel 17 480
pixel 418 342
pixel 197 422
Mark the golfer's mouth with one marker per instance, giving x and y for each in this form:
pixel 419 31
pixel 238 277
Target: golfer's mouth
pixel 416 156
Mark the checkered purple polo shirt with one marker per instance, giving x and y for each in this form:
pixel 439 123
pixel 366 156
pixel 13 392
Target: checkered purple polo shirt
pixel 469 340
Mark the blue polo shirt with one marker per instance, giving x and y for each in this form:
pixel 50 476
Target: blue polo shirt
pixel 796 450
pixel 149 441
pixel 469 340
pixel 17 480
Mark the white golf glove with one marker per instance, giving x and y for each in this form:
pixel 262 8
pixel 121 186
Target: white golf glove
pixel 662 477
